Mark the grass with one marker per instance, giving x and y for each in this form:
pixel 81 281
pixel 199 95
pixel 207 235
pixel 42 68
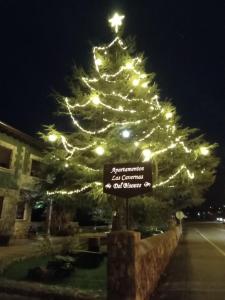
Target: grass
pixel 84 279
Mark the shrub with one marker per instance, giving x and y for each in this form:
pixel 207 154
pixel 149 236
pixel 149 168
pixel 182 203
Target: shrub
pixel 58 268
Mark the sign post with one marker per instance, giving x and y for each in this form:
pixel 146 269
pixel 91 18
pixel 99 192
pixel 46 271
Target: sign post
pixel 127 180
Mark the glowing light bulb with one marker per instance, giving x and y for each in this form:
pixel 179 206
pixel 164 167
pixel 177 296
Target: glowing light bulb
pixel 147 153
pixel 129 66
pixel 100 150
pixel 204 151
pixel 168 115
pixel 136 144
pixel 135 82
pixel 66 165
pixel 156 97
pixel 126 133
pixel 145 85
pixel 95 100
pixel 116 21
pixel 52 138
pixel 98 62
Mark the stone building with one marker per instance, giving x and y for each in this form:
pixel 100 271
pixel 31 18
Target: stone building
pixel 20 161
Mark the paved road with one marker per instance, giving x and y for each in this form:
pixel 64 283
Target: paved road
pixel 197 269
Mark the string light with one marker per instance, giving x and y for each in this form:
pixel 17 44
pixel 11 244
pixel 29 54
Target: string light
pixel 77 191
pixel 52 138
pixel 100 150
pixel 183 167
pixel 145 85
pixel 135 82
pixel 168 115
pixel 98 62
pixel 95 100
pixel 204 151
pixel 126 133
pixel 147 154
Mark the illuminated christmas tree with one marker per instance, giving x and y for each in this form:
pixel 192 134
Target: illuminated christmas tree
pixel 118 116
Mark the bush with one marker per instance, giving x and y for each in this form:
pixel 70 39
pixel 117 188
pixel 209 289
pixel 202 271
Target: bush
pixel 58 268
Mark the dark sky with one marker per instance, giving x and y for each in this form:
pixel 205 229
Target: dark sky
pixel 184 42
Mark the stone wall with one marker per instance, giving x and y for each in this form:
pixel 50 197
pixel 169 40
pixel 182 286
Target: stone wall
pixel 135 265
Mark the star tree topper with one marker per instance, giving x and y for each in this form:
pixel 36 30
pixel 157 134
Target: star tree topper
pixel 116 21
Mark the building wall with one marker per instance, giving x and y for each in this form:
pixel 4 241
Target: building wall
pixel 13 181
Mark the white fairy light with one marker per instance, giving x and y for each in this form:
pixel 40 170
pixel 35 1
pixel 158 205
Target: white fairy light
pixel 204 151
pixel 95 100
pixel 129 65
pixel 77 191
pixel 52 137
pixel 126 133
pixel 147 153
pixel 100 150
pixel 98 62
pixel 135 82
pixel 145 85
pixel 168 115
pixel 183 167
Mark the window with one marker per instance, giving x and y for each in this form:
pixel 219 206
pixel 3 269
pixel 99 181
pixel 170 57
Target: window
pixel 1 205
pixel 35 168
pixel 5 157
pixel 20 210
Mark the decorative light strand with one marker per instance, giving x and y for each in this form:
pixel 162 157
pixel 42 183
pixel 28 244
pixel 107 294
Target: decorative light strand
pixel 183 167
pixel 99 102
pixel 76 123
pixel 77 191
pixel 149 134
pixel 77 104
pixel 124 123
pixel 74 148
pixel 123 97
pixel 88 168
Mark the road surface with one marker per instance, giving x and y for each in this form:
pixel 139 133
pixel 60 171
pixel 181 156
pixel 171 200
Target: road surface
pixel 197 269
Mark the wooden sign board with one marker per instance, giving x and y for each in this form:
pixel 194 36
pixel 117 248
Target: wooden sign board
pixel 128 179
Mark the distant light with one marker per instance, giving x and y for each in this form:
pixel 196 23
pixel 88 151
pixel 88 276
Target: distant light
pixel 126 133
pixel 100 150
pixel 147 153
pixel 52 138
pixel 136 144
pixel 66 165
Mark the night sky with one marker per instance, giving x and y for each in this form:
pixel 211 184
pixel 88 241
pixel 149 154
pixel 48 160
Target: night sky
pixel 184 41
